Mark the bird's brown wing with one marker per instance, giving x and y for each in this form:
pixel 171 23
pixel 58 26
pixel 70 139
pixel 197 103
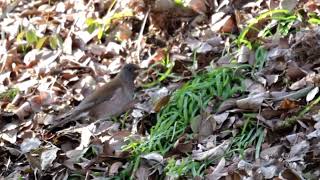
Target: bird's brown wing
pixel 100 95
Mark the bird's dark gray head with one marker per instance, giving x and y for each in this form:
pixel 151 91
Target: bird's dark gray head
pixel 129 72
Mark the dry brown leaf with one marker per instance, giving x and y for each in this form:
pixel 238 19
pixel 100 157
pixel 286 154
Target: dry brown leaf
pixel 211 153
pixel 114 168
pixel 142 173
pixel 288 104
pixel 198 6
pixel 183 144
pixel 160 103
pixel 290 174
pixel 253 101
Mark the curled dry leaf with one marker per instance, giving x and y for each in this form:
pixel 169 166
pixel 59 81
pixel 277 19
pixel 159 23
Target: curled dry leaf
pixel 183 144
pixel 67 45
pixel 294 72
pixel 245 55
pixel 199 46
pixel 219 171
pixel 153 158
pixel 226 105
pixel 314 134
pixel 254 87
pixel 312 79
pixel 10 136
pixel 163 5
pixel 312 94
pixel 98 50
pixel 211 153
pixel 24 110
pixel 26 85
pixel 290 174
pixel 246 166
pixel 86 133
pixel 295 95
pixel 253 101
pixel 85 36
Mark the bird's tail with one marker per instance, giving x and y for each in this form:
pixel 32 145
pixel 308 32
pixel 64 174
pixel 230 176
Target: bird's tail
pixel 61 120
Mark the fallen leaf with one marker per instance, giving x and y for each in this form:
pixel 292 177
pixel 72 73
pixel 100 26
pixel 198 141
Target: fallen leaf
pixel 288 104
pixel 29 144
pixel 244 54
pixel 272 152
pixel 161 102
pixel 312 94
pixel 269 172
pixel 143 172
pixel 253 101
pixel 288 4
pixel 219 171
pixel 211 153
pixel 226 105
pixel 114 168
pixel 298 151
pixel 290 174
pixel 48 156
pixel 183 144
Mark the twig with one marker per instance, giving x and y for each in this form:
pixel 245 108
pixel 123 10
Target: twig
pixel 289 122
pixel 138 42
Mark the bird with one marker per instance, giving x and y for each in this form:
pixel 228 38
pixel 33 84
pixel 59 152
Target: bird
pixel 111 99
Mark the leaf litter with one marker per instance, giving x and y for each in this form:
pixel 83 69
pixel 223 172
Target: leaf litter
pixel 54 54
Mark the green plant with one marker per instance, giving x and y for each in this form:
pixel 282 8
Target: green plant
pixel 168 65
pixel 184 166
pixel 91 152
pixel 313 18
pixel 280 15
pixel 75 176
pixel 184 105
pixel 104 25
pixel 9 94
pixel 187 103
pixel 250 135
pixel 260 58
pixel 291 121
pixel 34 41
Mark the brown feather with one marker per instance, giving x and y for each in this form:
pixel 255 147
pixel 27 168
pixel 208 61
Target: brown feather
pixel 108 100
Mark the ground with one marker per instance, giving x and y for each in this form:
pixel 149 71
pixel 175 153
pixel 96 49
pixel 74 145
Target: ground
pixel 226 90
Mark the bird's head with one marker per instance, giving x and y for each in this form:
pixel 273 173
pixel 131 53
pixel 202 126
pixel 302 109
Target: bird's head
pixel 129 72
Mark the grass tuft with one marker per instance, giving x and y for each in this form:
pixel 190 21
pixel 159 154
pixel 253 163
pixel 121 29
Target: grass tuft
pixel 184 105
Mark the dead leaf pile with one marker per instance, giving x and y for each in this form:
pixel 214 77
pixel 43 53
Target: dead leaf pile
pixel 55 53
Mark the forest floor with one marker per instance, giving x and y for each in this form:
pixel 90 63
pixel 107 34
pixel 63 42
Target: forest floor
pixel 228 89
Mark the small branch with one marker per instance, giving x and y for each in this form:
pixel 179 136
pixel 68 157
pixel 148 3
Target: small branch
pixel 139 40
